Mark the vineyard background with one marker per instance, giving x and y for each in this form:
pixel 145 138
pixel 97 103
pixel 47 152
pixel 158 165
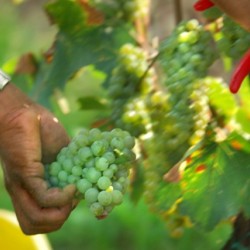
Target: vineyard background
pixel 131 226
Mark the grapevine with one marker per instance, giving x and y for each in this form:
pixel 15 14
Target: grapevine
pixel 97 163
pixel 192 135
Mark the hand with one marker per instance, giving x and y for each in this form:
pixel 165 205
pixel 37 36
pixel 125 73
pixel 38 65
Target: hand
pixel 237 10
pixel 30 136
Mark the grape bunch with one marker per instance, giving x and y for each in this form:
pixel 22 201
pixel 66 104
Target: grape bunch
pixel 98 164
pixel 130 82
pixel 185 57
pixel 233 40
pixel 202 113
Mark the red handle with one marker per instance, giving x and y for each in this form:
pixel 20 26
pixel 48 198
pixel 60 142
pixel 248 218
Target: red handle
pixel 241 71
pixel 202 5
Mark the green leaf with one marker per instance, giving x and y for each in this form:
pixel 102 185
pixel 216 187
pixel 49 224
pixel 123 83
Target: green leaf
pixel 216 185
pixel 77 45
pixel 220 97
pixel 91 103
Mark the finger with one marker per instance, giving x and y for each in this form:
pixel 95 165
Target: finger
pixel 53 135
pixel 23 127
pixel 49 197
pixel 34 219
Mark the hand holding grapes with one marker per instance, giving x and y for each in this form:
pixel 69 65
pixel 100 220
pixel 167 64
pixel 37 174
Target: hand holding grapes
pixel 29 137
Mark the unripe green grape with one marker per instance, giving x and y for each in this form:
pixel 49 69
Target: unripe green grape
pixel 77 161
pixel 97 209
pixel 73 148
pixel 99 147
pixel 129 141
pixel 90 163
pixel 54 168
pixel 92 175
pixel 103 182
pixel 117 197
pixel 105 198
pixel 101 163
pixel 117 186
pixel 113 167
pixel 85 154
pixel 67 165
pixel 108 173
pixel 91 195
pixel 76 171
pixel 83 185
pixel 95 134
pixel 53 180
pixel 117 143
pixel 62 176
pixel 61 158
pixel 122 173
pixel 110 156
pixel 81 140
pixel 72 179
pixel 62 184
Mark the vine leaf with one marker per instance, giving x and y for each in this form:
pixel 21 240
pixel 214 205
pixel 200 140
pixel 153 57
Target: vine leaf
pixel 220 189
pixel 78 44
pixel 92 103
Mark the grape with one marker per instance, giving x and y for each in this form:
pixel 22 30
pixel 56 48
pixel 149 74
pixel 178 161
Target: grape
pixel 73 148
pixel 83 185
pixel 110 156
pixel 101 163
pixel 105 198
pixel 77 171
pixel 55 168
pixel 103 182
pixel 85 154
pixel 108 173
pixel 113 167
pixel 53 180
pixel 93 175
pixel 129 142
pixel 63 176
pixel 91 195
pixel 99 147
pixel 72 179
pixel 117 143
pixel 97 209
pixel 117 197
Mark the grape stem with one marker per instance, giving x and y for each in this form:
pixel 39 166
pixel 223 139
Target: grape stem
pixel 202 5
pixel 242 70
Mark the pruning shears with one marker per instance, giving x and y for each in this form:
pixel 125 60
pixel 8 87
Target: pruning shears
pixel 243 68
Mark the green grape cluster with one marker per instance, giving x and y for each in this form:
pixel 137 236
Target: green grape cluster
pixel 202 113
pixel 185 57
pixel 234 40
pixel 130 82
pixel 180 117
pixel 127 10
pixel 97 163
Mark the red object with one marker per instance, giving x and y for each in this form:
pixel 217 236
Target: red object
pixel 241 71
pixel 202 5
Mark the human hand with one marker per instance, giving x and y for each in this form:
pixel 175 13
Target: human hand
pixel 29 137
pixel 237 10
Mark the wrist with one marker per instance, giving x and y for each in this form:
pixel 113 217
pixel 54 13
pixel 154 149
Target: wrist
pixel 12 98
